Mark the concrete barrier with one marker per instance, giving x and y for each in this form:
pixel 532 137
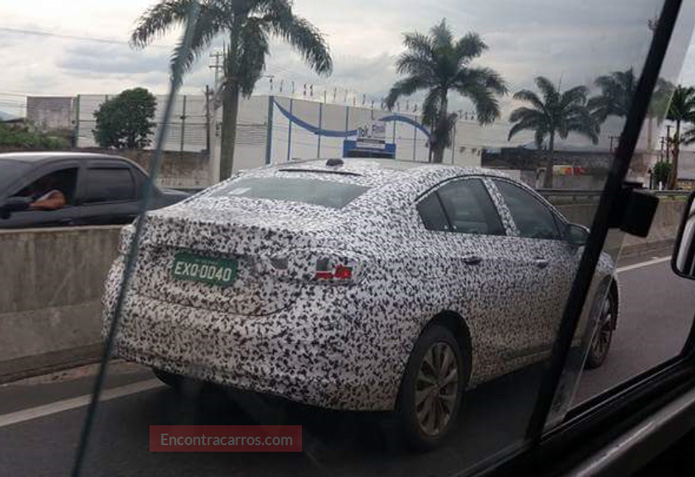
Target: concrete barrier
pixel 661 235
pixel 50 289
pixel 52 281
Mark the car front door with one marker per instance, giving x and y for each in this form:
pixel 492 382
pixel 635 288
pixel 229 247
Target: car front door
pixel 108 193
pixel 543 248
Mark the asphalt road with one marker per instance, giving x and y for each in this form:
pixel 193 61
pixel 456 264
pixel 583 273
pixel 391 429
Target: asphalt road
pixel 40 418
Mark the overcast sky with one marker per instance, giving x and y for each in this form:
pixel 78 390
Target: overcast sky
pixel 571 42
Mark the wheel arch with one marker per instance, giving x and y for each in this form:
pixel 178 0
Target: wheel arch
pixel 455 323
pixel 458 326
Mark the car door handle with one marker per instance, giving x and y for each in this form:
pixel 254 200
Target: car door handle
pixel 541 262
pixel 66 222
pixel 472 259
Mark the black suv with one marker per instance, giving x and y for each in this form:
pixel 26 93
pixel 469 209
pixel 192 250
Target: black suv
pixel 99 189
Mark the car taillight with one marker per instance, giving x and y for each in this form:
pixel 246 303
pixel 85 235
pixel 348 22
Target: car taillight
pixel 327 270
pixel 344 267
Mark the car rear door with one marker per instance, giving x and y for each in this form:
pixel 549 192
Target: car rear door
pixel 543 248
pixel 108 193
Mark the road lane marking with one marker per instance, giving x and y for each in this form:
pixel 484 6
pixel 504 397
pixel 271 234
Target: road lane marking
pixel 74 403
pixel 643 264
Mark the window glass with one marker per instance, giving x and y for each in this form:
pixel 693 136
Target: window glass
pixel 432 213
pixel 109 185
pixel 335 195
pixel 470 209
pixel 532 218
pixel 643 317
pixel 395 350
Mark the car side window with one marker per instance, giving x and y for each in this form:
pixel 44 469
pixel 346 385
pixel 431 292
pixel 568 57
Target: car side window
pixel 63 180
pixel 432 213
pixel 532 218
pixel 469 208
pixel 109 185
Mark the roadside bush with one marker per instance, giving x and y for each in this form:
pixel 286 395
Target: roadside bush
pixel 22 137
pixel 661 172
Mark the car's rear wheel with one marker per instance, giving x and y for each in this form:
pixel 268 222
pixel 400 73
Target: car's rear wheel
pixel 432 387
pixel 601 343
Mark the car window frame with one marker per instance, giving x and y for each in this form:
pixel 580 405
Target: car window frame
pixel 435 190
pixel 561 223
pixel 107 164
pixel 43 169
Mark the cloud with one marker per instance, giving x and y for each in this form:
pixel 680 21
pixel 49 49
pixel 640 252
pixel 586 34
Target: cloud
pixel 97 59
pixel 570 42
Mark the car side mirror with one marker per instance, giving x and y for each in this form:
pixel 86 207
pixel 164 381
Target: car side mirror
pixel 683 259
pixel 577 234
pixel 14 204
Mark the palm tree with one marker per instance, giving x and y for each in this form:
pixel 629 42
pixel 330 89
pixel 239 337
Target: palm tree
pixel 681 109
pixel 247 26
pixel 438 64
pixel 617 92
pixel 557 113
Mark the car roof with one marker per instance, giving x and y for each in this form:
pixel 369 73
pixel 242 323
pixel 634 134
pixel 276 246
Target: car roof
pixel 36 157
pixel 379 170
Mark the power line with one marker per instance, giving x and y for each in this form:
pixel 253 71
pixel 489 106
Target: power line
pixel 73 37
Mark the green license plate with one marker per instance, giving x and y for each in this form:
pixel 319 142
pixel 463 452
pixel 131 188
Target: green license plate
pixel 213 271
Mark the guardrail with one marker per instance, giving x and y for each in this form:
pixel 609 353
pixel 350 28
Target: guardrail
pixel 573 195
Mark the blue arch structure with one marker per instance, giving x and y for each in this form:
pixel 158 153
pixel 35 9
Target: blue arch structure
pixel 344 134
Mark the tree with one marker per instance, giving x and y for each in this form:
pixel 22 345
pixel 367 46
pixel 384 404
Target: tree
pixel 617 92
pixel 556 113
pixel 681 109
pixel 437 64
pixel 125 121
pixel 247 26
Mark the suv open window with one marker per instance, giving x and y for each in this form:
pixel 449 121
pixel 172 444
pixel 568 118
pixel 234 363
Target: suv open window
pixel 63 180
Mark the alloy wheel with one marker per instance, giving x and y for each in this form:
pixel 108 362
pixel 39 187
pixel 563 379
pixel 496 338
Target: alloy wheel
pixel 436 388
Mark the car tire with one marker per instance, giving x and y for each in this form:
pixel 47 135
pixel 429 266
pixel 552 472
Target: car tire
pixel 170 379
pixel 431 390
pixel 601 342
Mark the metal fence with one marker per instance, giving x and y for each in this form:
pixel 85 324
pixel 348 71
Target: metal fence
pixel 188 129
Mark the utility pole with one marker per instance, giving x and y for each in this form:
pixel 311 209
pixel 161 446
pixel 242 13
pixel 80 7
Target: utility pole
pixel 213 154
pixel 668 143
pixel 208 118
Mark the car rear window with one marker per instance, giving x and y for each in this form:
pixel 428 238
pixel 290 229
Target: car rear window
pixel 335 195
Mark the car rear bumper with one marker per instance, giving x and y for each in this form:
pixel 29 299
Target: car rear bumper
pixel 307 353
